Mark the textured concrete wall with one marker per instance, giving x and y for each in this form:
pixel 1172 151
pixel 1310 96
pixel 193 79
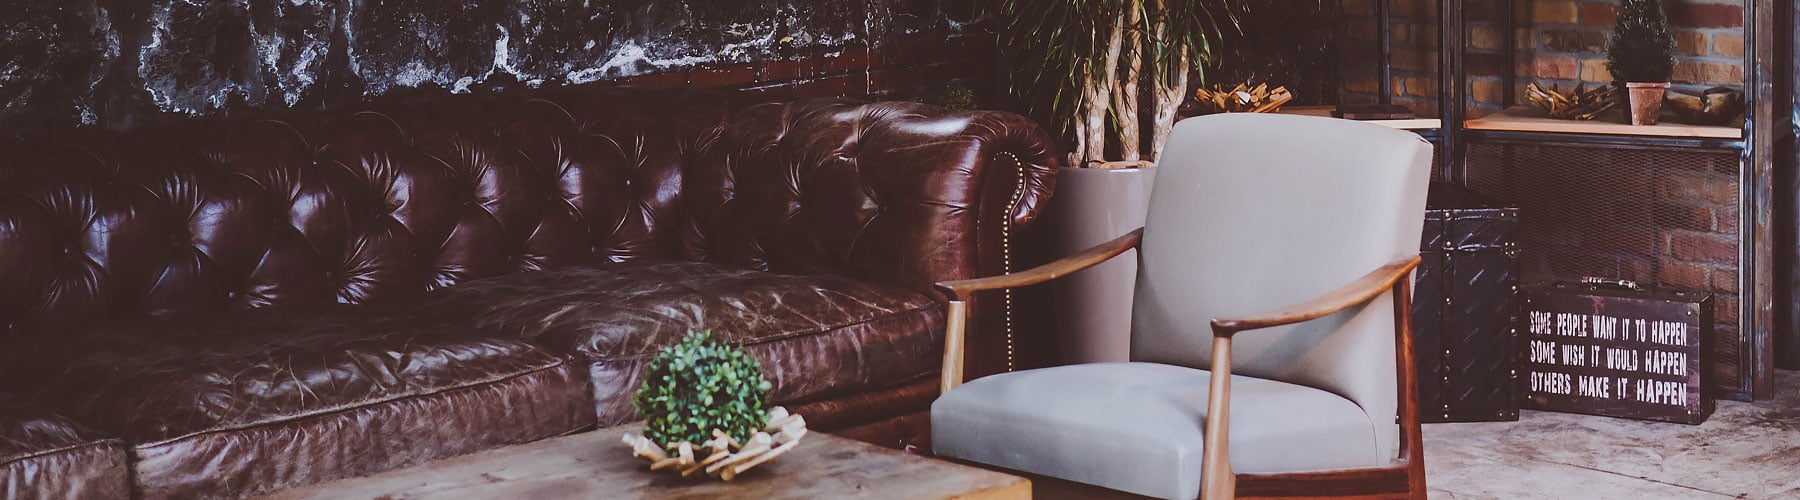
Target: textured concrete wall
pixel 123 63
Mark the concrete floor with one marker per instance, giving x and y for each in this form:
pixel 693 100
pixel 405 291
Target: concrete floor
pixel 1746 450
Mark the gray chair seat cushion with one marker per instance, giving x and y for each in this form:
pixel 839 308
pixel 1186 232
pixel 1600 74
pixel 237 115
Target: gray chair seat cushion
pixel 1139 427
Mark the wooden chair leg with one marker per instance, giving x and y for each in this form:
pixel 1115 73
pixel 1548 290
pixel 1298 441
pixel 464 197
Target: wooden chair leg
pixel 955 329
pixel 1216 479
pixel 1404 478
pixel 1412 445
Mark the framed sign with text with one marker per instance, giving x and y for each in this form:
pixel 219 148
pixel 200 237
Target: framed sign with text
pixel 1618 350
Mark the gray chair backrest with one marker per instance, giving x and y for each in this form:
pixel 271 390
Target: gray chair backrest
pixel 1255 212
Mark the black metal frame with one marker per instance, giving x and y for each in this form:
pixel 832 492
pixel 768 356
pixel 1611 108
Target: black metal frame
pixel 1385 24
pixel 1571 139
pixel 1757 264
pixel 1785 18
pixel 1756 200
pixel 1453 80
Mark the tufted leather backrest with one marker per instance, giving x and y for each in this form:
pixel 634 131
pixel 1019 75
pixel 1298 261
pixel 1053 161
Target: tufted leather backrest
pixel 399 199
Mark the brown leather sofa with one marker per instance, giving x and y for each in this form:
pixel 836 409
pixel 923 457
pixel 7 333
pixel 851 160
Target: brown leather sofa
pixel 219 310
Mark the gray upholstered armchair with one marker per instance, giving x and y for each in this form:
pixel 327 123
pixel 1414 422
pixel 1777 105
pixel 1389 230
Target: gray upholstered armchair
pixel 1271 351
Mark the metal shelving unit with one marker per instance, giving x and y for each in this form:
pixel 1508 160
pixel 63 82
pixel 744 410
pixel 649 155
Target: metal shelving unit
pixel 1754 146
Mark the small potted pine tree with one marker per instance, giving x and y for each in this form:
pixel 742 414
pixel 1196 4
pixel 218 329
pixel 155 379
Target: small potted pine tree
pixel 1641 53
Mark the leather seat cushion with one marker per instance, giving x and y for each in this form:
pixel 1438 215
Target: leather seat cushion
pixel 1139 427
pixel 43 455
pixel 260 400
pixel 818 336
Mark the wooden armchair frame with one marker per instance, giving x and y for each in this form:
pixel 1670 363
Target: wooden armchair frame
pixel 1404 477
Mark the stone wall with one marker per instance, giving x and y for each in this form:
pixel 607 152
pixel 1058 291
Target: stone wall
pixel 1559 42
pixel 126 63
pixel 914 68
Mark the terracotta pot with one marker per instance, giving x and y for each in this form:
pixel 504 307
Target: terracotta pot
pixel 1646 101
pixel 1092 308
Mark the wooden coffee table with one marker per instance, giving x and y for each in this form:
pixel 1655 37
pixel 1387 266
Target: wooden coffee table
pixel 596 465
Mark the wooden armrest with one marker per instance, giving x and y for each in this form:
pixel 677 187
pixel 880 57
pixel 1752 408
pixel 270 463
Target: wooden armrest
pixel 962 289
pixel 1355 293
pixel 957 313
pixel 1216 477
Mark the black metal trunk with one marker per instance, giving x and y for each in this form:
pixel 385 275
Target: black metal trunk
pixel 1466 307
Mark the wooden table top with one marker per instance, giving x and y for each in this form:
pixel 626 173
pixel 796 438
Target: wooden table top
pixel 595 465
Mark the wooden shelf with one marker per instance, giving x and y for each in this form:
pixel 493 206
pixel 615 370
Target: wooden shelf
pixel 1521 119
pixel 1325 111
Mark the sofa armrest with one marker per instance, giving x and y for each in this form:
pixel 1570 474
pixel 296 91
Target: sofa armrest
pixel 891 192
pixel 894 192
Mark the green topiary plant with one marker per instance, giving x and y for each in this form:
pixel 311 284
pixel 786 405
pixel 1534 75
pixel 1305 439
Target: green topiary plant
pixel 1641 49
pixel 701 384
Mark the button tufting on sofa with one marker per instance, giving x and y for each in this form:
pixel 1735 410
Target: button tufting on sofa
pixel 264 304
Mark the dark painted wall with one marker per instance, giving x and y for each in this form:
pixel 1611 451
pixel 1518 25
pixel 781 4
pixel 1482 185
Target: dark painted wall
pixel 125 63
pixel 1292 43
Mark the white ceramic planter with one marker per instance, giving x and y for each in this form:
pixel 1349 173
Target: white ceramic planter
pixel 1093 307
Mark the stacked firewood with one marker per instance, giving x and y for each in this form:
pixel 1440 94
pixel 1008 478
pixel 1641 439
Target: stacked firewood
pixel 1582 103
pixel 726 458
pixel 1242 99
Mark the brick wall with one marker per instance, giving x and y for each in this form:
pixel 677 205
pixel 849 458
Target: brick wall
pixel 1558 42
pixel 1657 217
pixel 1569 40
pixel 1414 57
pixel 920 68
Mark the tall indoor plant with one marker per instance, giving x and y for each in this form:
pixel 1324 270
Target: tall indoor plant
pixel 1088 67
pixel 1091 64
pixel 1641 53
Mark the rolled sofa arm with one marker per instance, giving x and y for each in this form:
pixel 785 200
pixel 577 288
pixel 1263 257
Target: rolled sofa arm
pixel 892 192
